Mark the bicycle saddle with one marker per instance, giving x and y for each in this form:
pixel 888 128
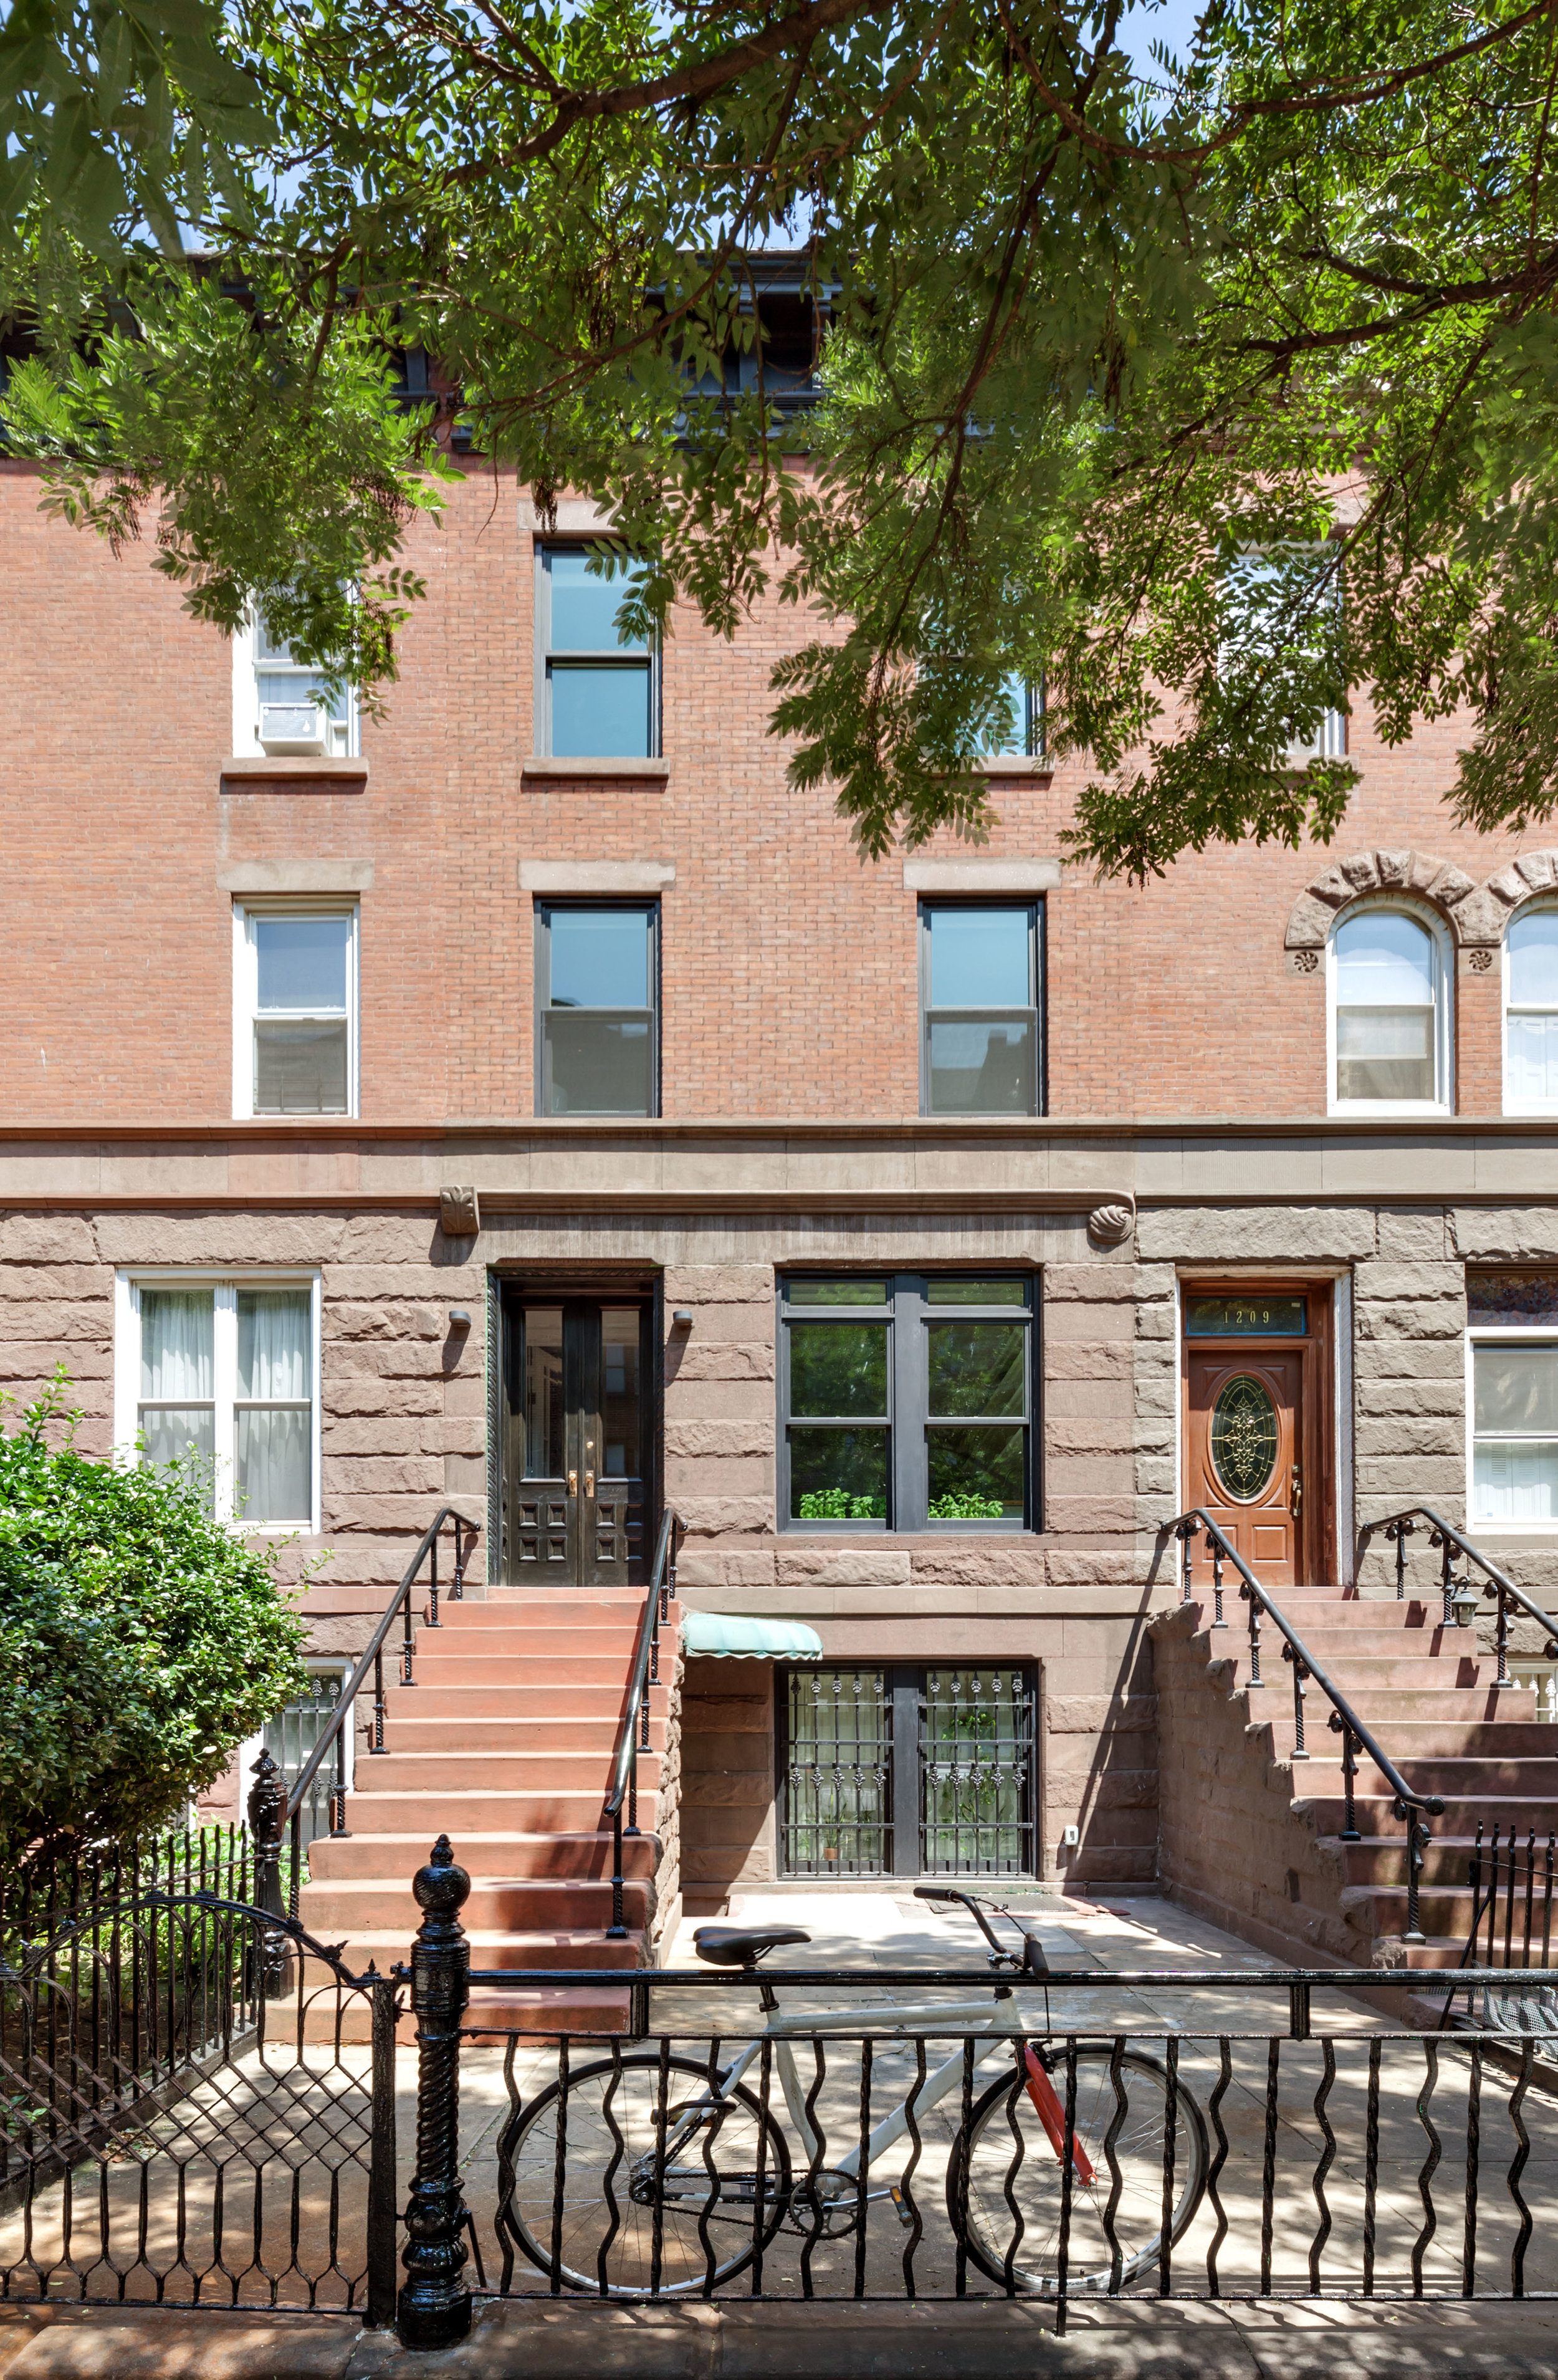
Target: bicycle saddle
pixel 742 1946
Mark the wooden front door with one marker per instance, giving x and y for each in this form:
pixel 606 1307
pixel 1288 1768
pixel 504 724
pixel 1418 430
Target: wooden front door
pixel 1246 1468
pixel 576 1469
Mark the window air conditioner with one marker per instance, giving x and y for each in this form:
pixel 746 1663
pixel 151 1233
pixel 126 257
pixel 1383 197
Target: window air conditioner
pixel 292 727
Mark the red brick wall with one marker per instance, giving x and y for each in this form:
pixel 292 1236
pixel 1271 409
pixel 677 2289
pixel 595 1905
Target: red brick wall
pixel 789 968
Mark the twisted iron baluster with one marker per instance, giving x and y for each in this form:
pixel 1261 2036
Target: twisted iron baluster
pixel 657 2212
pixel 1214 2109
pixel 1067 2168
pixel 1300 1674
pixel 814 2172
pixel 1255 1682
pixel 609 2178
pixel 1171 2126
pixel 1186 1533
pixel 1327 2158
pixel 1218 1618
pixel 906 2190
pixel 1015 2091
pixel 861 2165
pixel 1517 2167
pixel 1268 2167
pixel 560 2172
pixel 712 2196
pixel 1111 2158
pixel 1430 2165
pixel 765 2100
pixel 503 2222
pixel 1473 2158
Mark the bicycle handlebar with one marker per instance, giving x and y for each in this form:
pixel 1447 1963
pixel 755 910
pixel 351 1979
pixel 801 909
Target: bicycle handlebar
pixel 1032 1960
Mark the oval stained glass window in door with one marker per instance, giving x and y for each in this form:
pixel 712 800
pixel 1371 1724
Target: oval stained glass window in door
pixel 1243 1437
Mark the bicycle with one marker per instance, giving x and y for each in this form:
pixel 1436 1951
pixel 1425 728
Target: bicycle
pixel 649 2174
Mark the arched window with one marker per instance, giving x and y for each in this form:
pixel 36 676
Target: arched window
pixel 1530 1014
pixel 1390 1012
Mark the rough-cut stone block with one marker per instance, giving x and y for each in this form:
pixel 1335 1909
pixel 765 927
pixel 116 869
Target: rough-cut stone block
pixel 1404 1434
pixel 1083 1569
pixel 1419 1282
pixel 1093 1284
pixel 722 1516
pixel 1086 1359
pixel 1379 1397
pixel 385 1318
pixel 1521 1234
pixel 389 1240
pixel 218 1238
pixel 837 1564
pixel 1309 923
pixel 1478 917
pixel 727 1567
pixel 981 1562
pixel 699 1286
pixel 1413 1359
pixel 47 1239
pixel 725 1360
pixel 1131 1715
pixel 697 1439
pixel 1261 1234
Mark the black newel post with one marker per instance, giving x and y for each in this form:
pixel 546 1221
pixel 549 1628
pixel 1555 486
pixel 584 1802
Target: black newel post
pixel 435 2304
pixel 267 1816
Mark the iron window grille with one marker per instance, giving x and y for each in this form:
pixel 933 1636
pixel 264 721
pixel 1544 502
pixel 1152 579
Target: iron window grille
pixel 908 1403
pixel 981 1008
pixel 598 696
pixel 898 1770
pixel 598 1008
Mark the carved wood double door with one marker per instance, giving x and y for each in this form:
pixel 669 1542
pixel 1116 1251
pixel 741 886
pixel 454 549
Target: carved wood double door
pixel 575 1424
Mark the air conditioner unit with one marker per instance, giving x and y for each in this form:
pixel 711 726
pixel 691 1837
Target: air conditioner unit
pixel 293 727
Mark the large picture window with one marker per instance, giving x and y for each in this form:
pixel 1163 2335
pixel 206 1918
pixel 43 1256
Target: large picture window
pixel 1390 1013
pixel 906 1403
pixel 597 997
pixel 221 1378
pixel 980 967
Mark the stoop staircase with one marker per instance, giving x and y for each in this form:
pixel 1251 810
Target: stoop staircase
pixel 506 1743
pixel 1253 1836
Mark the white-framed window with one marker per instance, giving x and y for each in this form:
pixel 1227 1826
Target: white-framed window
pixel 1260 601
pixel 1389 1011
pixel 280 706
pixel 294 1008
pixel 220 1374
pixel 1530 1012
pixel 1512 1401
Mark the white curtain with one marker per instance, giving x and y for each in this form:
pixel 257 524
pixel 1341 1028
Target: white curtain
pixel 177 1360
pixel 274 1343
pixel 273 1448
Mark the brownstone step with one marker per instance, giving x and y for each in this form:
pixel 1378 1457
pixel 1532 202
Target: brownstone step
pixel 371 1854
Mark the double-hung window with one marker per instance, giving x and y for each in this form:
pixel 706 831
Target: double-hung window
pixel 598 695
pixel 1390 1012
pixel 907 1403
pixel 281 705
pixel 596 998
pixel 1530 1044
pixel 1512 1398
pixel 295 1010
pixel 221 1379
pixel 981 970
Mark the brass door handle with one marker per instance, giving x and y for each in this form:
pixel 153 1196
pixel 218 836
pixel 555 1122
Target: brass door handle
pixel 589 1482
pixel 1297 1505
pixel 572 1483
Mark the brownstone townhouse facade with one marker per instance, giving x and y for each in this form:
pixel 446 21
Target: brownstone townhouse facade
pixel 522 1100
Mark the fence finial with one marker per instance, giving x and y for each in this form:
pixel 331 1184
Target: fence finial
pixel 435 2304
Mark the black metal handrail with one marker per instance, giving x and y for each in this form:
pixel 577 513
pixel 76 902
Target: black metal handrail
pixel 1460 1597
pixel 632 1735
pixel 1344 1720
pixel 272 1810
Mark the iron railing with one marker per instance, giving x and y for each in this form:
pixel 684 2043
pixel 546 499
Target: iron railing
pixel 1511 1886
pixel 1408 1805
pixel 632 1734
pixel 1460 1597
pixel 275 1813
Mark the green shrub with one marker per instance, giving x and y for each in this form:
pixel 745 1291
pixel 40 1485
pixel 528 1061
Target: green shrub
pixel 838 1504
pixel 963 1506
pixel 139 1641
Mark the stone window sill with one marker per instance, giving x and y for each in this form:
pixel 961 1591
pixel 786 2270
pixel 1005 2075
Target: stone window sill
pixel 294 772
pixel 542 764
pixel 1014 764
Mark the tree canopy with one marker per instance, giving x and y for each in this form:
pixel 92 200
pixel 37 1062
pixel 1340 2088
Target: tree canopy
pixel 1220 398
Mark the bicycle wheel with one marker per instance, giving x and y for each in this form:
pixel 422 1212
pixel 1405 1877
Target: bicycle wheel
pixel 1114 2237
pixel 630 2218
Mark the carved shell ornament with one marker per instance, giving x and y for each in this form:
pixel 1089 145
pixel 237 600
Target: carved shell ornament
pixel 1110 1225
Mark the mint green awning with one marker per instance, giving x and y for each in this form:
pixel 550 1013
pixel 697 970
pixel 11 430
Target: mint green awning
pixel 725 1635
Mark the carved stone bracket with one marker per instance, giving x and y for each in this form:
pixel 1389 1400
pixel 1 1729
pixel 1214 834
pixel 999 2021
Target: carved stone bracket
pixel 459 1213
pixel 1109 1226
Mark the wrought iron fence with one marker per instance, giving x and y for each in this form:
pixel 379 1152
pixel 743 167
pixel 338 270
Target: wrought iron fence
pixel 1511 1885
pixel 197 2107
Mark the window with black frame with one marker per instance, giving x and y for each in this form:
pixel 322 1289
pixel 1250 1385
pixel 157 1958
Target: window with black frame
pixel 597 697
pixel 597 1002
pixel 981 972
pixel 907 1402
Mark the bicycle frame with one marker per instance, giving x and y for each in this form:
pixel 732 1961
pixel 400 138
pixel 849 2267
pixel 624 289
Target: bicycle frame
pixel 966 2016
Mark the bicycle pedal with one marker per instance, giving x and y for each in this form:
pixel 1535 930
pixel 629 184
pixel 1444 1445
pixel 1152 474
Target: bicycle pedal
pixel 905 2213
